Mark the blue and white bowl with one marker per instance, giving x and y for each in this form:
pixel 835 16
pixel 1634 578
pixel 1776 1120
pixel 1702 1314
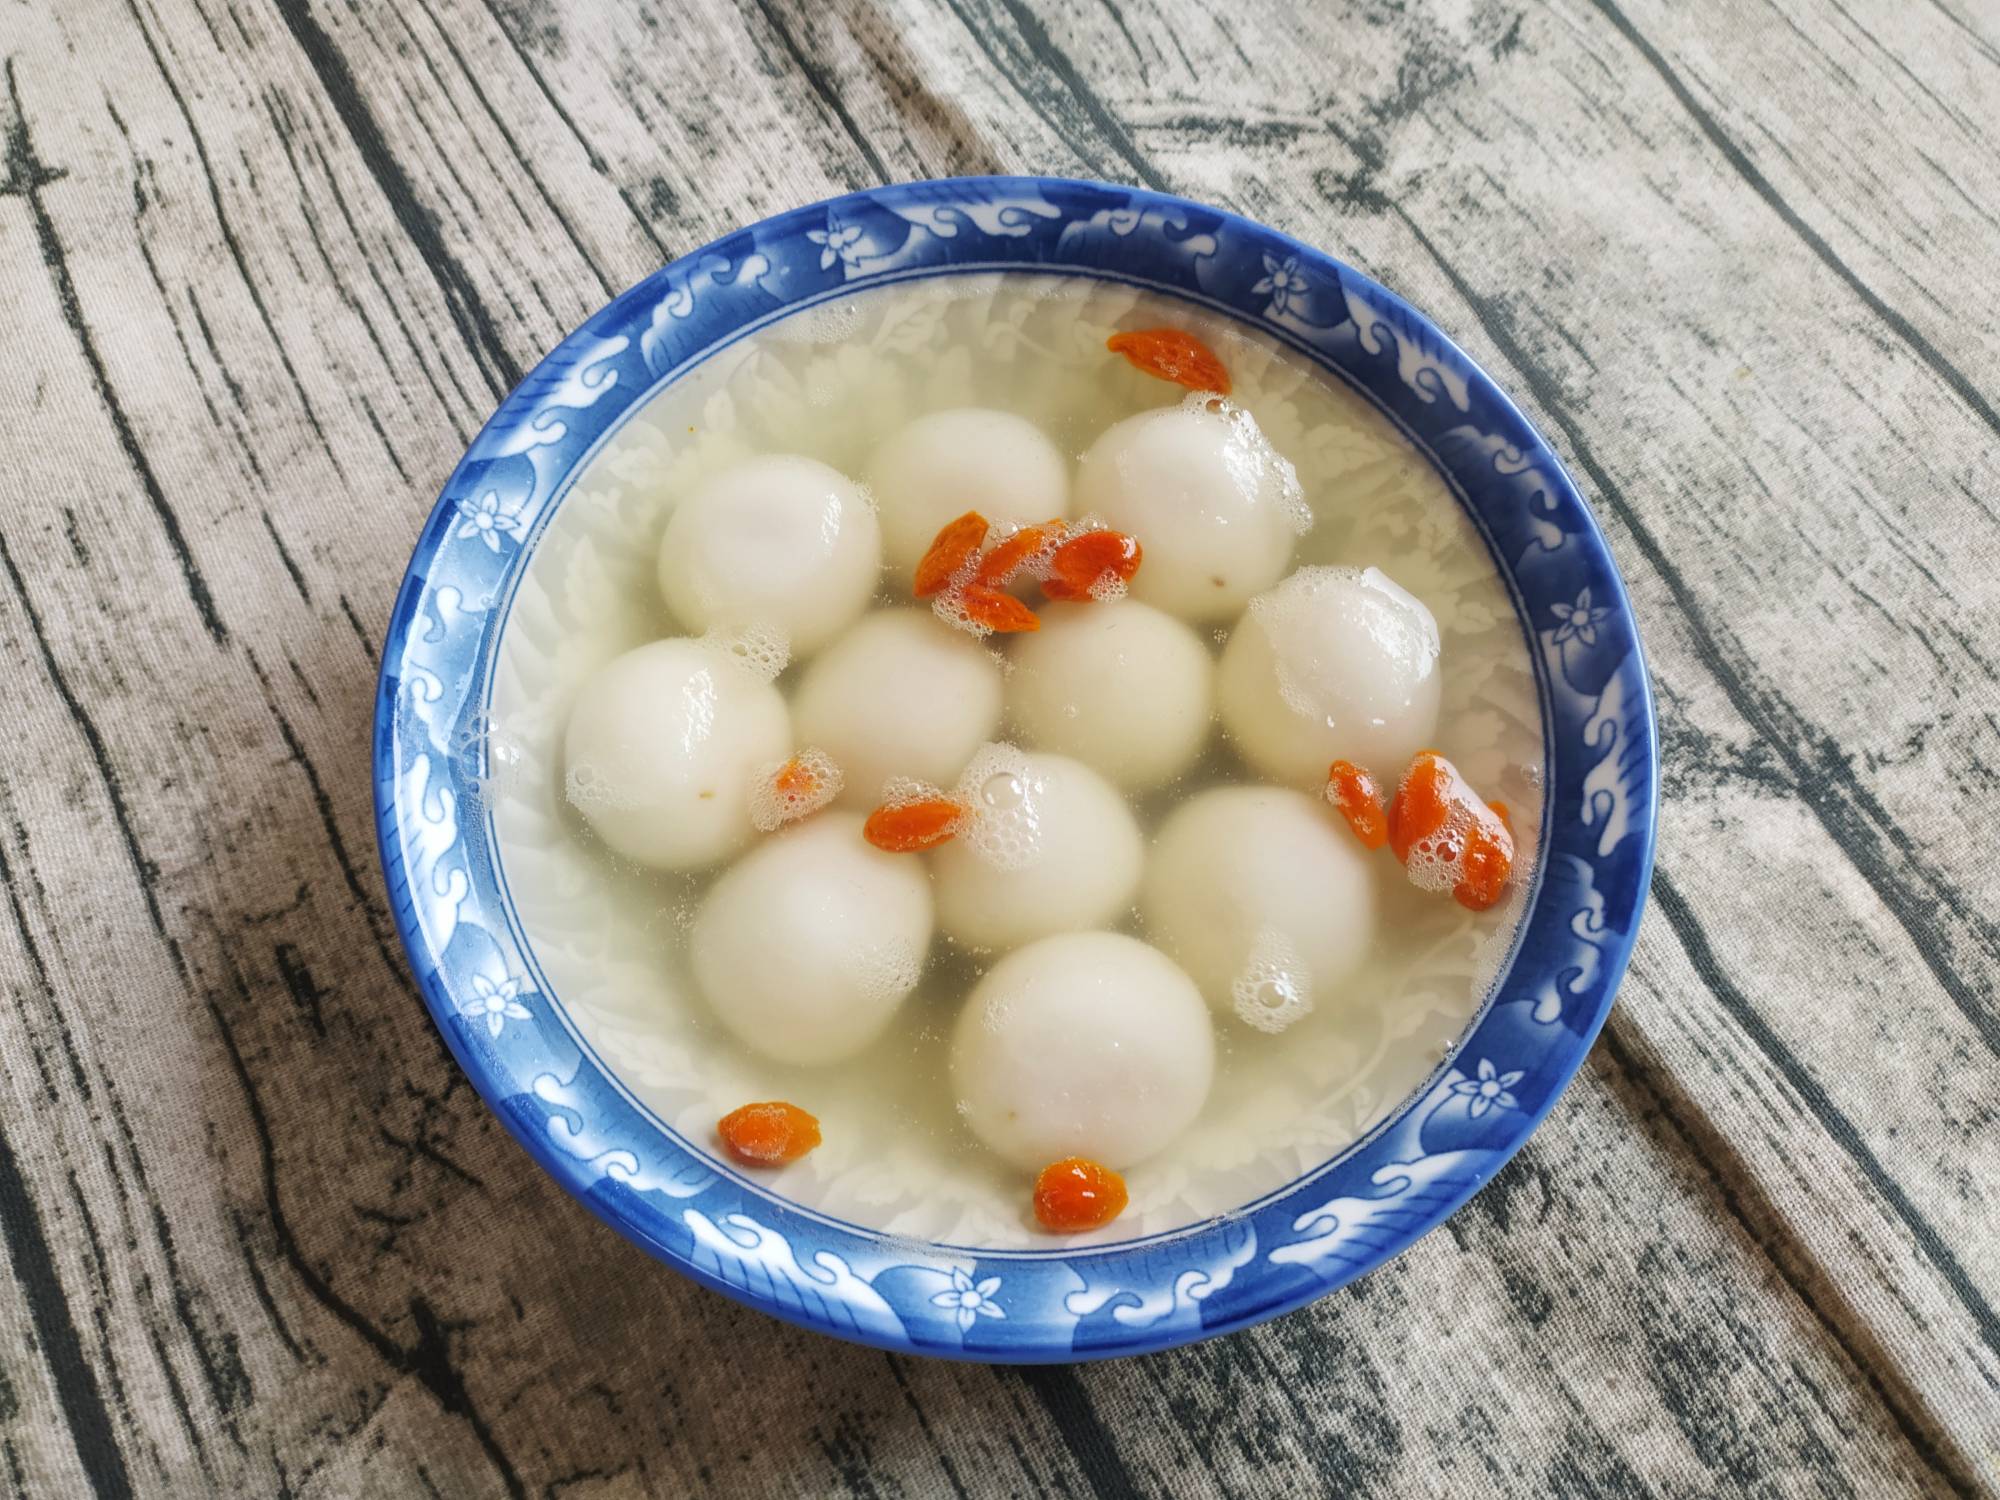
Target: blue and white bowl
pixel 528 1058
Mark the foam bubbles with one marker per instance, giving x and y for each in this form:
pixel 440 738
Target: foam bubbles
pixel 901 791
pixel 882 973
pixel 1436 863
pixel 949 606
pixel 794 789
pixel 1274 989
pixel 762 649
pixel 495 762
pixel 1004 828
pixel 829 323
pixel 590 790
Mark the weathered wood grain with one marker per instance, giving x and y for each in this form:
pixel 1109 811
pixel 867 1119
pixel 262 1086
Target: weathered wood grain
pixel 265 271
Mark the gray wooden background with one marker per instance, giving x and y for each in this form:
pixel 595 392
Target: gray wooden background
pixel 265 267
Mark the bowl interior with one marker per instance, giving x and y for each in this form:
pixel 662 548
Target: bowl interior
pixel 527 574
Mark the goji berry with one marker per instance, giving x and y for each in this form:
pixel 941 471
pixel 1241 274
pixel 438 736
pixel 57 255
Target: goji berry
pixel 1359 798
pixel 1079 564
pixel 769 1134
pixel 1173 354
pixel 949 551
pixel 1076 1194
pixel 907 827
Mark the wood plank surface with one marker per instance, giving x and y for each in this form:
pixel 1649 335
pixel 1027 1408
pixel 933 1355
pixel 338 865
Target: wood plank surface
pixel 265 269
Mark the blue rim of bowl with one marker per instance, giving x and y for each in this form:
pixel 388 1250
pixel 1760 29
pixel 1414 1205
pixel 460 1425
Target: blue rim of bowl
pixel 517 1045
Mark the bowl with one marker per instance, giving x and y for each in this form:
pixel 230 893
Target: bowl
pixel 477 968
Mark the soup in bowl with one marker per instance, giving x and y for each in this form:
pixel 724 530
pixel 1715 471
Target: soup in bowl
pixel 1015 769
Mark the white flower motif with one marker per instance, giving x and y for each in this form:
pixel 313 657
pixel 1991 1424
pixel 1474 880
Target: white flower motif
pixel 970 1301
pixel 1284 281
pixel 495 1002
pixel 489 518
pixel 837 242
pixel 1489 1089
pixel 1579 619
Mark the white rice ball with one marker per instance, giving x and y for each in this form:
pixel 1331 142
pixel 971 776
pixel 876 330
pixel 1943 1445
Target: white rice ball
pixel 945 464
pixel 662 750
pixel 777 541
pixel 1331 664
pixel 1261 885
pixel 1213 505
pixel 808 944
pixel 1050 847
pixel 899 695
pixel 1123 688
pixel 1084 1044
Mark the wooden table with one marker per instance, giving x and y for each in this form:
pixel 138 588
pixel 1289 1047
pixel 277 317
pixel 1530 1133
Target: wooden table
pixel 264 270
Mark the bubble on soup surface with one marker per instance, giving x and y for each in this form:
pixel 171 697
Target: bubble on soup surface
pixel 901 791
pixel 794 789
pixel 1005 827
pixel 762 649
pixel 587 789
pixel 1234 863
pixel 886 971
pixel 829 323
pixel 1254 454
pixel 1275 988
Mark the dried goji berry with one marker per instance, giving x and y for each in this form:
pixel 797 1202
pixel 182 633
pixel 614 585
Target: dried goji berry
pixel 1467 844
pixel 1076 1194
pixel 795 778
pixel 1173 355
pixel 999 566
pixel 907 827
pixel 1000 613
pixel 1488 861
pixel 1359 799
pixel 1078 565
pixel 769 1134
pixel 1422 804
pixel 797 789
pixel 949 551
